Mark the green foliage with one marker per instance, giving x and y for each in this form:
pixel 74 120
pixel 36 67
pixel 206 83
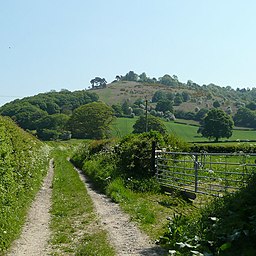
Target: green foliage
pixel 117 192
pixel 164 105
pixel 24 114
pixel 169 81
pixel 245 117
pixel 181 128
pixel 158 95
pixel 200 115
pixel 91 121
pixel 217 124
pixel 129 159
pixel 251 105
pixel 185 96
pixel 52 127
pixel 126 108
pixel 42 111
pixel 98 83
pixel 224 148
pixel 130 76
pixel 134 152
pixel 118 112
pixel 216 104
pixel 153 124
pixel 23 163
pixel 178 99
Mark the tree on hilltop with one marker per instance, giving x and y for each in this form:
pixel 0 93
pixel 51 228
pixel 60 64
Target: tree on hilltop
pixel 98 82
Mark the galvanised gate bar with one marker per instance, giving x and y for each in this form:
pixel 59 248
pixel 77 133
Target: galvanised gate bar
pixel 206 173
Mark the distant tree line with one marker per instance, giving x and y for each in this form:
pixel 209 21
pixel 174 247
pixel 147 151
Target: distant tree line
pixel 46 115
pixel 166 79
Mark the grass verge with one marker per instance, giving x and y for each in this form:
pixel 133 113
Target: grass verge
pixel 75 229
pixel 151 211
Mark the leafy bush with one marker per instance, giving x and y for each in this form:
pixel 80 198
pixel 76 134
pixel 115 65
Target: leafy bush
pixel 153 124
pixel 134 153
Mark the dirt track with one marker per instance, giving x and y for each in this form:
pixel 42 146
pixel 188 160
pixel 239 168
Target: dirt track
pixel 126 238
pixel 36 232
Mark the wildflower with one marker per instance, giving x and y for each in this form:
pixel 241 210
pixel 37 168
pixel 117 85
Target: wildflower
pixel 172 252
pixel 196 253
pixel 213 218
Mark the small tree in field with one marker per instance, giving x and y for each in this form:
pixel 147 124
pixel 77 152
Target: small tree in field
pixel 153 124
pixel 217 124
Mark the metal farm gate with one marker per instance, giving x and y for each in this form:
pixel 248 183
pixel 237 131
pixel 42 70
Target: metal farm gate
pixel 206 173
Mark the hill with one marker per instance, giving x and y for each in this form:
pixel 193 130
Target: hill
pixel 197 96
pixel 46 114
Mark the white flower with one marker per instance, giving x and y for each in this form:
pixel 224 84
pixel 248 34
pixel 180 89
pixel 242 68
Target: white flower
pixel 172 252
pixel 196 253
pixel 213 218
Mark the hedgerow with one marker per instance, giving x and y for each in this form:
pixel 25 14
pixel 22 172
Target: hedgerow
pixel 23 161
pixel 229 148
pixel 128 159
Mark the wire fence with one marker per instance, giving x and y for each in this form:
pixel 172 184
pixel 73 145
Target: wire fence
pixel 206 173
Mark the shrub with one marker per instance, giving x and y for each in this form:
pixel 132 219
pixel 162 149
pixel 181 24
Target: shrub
pixel 134 152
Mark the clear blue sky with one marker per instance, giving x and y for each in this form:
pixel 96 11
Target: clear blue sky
pixel 58 44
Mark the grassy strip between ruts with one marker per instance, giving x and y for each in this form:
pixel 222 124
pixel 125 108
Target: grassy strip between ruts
pixel 75 228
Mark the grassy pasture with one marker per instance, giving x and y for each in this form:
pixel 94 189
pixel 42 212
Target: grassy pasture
pixel 123 126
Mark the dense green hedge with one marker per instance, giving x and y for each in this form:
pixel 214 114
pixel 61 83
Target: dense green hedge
pixel 128 159
pixel 23 161
pixel 228 148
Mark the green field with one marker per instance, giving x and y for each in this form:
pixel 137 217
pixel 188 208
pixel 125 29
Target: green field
pixel 123 126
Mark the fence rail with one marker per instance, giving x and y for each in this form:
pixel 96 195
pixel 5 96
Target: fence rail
pixel 206 173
